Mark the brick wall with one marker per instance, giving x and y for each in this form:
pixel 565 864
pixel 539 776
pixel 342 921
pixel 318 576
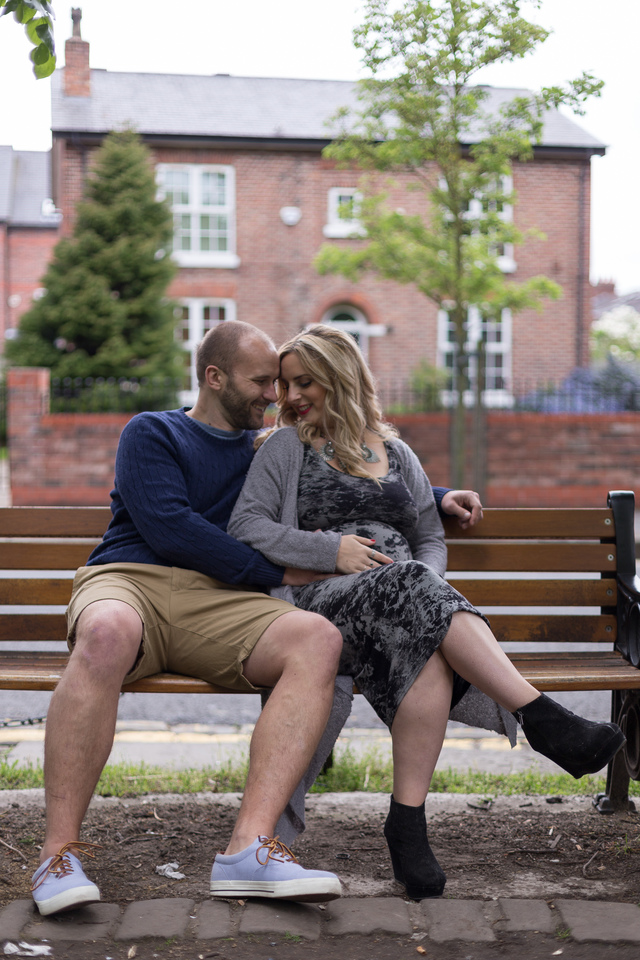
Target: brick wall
pixel 57 459
pixel 533 459
pixel 537 460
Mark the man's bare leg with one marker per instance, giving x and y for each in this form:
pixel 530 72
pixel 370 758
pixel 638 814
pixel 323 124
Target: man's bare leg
pixel 82 715
pixel 298 656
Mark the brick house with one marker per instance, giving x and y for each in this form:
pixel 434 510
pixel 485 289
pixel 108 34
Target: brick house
pixel 29 229
pixel 253 199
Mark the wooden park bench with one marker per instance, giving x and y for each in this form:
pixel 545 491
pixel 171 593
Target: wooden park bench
pixel 580 561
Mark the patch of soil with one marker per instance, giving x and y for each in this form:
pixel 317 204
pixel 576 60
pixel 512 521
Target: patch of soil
pixel 510 849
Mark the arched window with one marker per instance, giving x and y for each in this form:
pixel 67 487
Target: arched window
pixel 346 317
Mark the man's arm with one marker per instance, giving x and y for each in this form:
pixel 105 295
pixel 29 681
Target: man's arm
pixel 151 485
pixel 464 504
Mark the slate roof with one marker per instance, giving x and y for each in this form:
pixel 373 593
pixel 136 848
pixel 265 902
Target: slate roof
pixel 222 106
pixel 25 182
pixel 606 302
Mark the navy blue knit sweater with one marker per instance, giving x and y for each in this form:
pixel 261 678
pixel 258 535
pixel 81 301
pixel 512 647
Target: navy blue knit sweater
pixel 175 487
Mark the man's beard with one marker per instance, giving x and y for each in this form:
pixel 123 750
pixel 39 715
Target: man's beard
pixel 238 409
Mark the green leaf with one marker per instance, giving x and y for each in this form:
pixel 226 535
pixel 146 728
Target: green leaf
pixel 45 69
pixel 9 6
pixel 31 28
pixel 24 11
pixel 40 54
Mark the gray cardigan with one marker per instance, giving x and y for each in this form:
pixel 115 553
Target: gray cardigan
pixel 266 513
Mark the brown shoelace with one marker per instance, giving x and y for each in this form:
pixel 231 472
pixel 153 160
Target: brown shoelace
pixel 60 864
pixel 276 850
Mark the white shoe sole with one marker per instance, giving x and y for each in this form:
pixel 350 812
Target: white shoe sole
pixel 69 900
pixel 304 891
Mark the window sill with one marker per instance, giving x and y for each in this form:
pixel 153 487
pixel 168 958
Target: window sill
pixel 220 260
pixel 344 230
pixel 507 264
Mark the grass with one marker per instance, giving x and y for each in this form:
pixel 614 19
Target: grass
pixel 367 773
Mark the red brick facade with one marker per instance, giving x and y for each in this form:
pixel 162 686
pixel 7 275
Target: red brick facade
pixel 24 255
pixel 277 288
pixel 533 459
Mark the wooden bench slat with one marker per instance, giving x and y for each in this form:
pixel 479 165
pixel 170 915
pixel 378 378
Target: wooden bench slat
pixel 584 593
pixel 33 555
pixel 580 523
pixel 549 628
pixel 534 557
pixel 541 628
pixel 32 628
pixel 42 670
pixel 600 670
pixel 35 590
pixel 54 521
pixel 544 593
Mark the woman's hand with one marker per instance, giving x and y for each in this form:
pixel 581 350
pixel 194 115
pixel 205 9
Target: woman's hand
pixel 357 554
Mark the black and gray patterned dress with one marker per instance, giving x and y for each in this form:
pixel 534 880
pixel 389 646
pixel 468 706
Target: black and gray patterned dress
pixel 394 617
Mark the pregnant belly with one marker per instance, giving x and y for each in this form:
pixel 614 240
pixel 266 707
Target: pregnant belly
pixel 388 540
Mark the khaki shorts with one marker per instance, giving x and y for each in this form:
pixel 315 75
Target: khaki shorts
pixel 192 624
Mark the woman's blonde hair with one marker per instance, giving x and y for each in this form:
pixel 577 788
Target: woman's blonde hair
pixel 351 406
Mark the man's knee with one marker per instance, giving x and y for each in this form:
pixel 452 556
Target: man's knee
pixel 296 641
pixel 108 634
pixel 320 643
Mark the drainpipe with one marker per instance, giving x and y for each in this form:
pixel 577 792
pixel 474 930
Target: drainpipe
pixel 582 257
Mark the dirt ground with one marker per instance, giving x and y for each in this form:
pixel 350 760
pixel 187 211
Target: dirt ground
pixel 525 848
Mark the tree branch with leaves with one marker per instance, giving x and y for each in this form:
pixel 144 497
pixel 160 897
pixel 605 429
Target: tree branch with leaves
pixel 423 115
pixel 37 17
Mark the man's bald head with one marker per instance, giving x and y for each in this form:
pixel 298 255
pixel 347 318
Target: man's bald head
pixel 225 344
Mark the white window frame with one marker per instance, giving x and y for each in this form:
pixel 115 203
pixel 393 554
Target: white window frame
pixel 195 208
pixel 492 396
pixel 359 326
pixel 196 307
pixel 339 227
pixel 506 261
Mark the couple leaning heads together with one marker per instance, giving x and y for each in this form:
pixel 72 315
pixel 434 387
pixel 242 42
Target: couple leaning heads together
pixel 320 554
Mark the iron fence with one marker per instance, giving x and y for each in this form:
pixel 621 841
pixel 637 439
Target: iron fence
pixel 568 396
pixel 575 394
pixel 113 395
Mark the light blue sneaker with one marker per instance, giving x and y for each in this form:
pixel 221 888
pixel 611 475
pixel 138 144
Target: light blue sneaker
pixel 60 882
pixel 268 869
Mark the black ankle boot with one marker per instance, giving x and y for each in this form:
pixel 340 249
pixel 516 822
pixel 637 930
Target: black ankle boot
pixel 414 864
pixel 578 746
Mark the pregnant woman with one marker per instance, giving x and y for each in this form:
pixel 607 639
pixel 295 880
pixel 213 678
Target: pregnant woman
pixel 334 489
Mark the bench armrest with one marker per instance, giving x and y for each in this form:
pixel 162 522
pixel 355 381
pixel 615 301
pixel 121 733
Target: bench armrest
pixel 622 503
pixel 628 641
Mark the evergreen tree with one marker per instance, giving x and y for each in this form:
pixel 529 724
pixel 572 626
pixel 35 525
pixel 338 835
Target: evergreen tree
pixel 104 313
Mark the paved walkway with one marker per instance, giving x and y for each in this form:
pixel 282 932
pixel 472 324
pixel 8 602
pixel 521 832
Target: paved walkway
pixel 434 921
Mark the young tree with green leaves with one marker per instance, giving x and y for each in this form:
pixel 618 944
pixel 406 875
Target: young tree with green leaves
pixel 423 114
pixel 105 311
pixel 37 17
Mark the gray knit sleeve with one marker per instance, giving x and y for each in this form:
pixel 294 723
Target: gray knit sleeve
pixel 265 515
pixel 427 540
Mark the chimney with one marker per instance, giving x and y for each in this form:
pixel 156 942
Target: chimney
pixel 77 74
